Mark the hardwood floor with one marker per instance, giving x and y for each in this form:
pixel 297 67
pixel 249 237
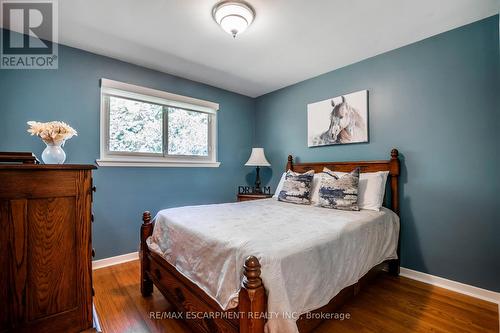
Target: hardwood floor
pixel 388 305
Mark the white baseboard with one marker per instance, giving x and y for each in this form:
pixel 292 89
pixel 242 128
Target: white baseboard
pixel 458 287
pixel 96 264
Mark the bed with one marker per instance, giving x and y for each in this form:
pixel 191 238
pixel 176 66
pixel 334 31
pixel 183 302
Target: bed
pixel 296 261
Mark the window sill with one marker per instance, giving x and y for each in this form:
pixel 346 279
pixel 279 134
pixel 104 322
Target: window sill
pixel 156 164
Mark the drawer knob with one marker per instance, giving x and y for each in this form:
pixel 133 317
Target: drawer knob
pixel 94 188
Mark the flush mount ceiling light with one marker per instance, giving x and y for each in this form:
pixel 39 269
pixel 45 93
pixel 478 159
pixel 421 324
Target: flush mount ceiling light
pixel 234 17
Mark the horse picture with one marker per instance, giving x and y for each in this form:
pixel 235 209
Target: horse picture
pixel 338 120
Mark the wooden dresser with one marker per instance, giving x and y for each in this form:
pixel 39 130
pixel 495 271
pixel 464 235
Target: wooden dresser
pixel 45 248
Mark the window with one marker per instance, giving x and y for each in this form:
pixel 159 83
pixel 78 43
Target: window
pixel 147 127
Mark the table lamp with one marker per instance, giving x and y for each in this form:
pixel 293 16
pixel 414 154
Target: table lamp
pixel 257 159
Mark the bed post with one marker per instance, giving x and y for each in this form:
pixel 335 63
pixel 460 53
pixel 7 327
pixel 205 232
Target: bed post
pixel 289 165
pixel 394 173
pixel 146 231
pixel 252 299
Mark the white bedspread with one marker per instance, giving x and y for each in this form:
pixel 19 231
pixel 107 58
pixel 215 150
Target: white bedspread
pixel 308 254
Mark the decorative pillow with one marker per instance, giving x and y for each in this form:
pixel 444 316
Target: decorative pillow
pixel 371 188
pixel 339 192
pixel 297 187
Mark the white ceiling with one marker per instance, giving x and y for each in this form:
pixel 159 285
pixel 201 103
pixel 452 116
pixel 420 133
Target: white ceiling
pixel 289 41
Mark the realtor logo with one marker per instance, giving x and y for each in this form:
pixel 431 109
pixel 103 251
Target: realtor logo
pixel 29 34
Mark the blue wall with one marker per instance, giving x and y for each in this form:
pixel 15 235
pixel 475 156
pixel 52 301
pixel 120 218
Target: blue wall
pixel 71 94
pixel 438 102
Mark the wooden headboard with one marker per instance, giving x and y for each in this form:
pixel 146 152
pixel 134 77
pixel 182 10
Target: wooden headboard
pixel 392 165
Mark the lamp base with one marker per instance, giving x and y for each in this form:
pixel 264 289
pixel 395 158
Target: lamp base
pixel 257 189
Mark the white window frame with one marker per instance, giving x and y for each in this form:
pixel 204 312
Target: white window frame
pixel 130 159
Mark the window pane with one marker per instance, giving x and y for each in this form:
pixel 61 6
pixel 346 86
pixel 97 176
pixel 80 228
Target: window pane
pixel 135 126
pixel 187 132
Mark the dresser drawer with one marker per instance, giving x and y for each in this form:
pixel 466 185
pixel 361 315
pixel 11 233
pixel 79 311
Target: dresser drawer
pixel 39 184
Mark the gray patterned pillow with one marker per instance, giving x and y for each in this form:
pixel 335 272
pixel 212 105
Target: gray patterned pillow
pixel 339 193
pixel 297 187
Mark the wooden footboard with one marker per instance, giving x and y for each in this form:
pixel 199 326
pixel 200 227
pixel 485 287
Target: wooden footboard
pixel 201 312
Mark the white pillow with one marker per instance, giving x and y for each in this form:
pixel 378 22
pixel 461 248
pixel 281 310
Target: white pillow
pixel 316 184
pixel 280 186
pixel 314 187
pixel 371 189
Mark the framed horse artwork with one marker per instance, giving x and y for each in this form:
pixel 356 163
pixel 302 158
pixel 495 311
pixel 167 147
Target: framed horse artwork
pixel 338 120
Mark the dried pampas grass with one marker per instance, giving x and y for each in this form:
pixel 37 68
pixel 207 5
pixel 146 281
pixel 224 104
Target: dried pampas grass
pixel 53 132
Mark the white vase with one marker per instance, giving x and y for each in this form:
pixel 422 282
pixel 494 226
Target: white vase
pixel 53 153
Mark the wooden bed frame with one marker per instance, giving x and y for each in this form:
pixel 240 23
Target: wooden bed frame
pixel 203 314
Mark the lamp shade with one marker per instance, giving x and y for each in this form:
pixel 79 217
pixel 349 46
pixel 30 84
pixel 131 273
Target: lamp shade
pixel 257 158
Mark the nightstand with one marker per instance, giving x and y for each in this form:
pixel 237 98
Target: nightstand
pixel 248 197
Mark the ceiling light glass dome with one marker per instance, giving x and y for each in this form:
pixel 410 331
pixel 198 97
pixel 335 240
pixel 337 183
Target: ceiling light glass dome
pixel 234 17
